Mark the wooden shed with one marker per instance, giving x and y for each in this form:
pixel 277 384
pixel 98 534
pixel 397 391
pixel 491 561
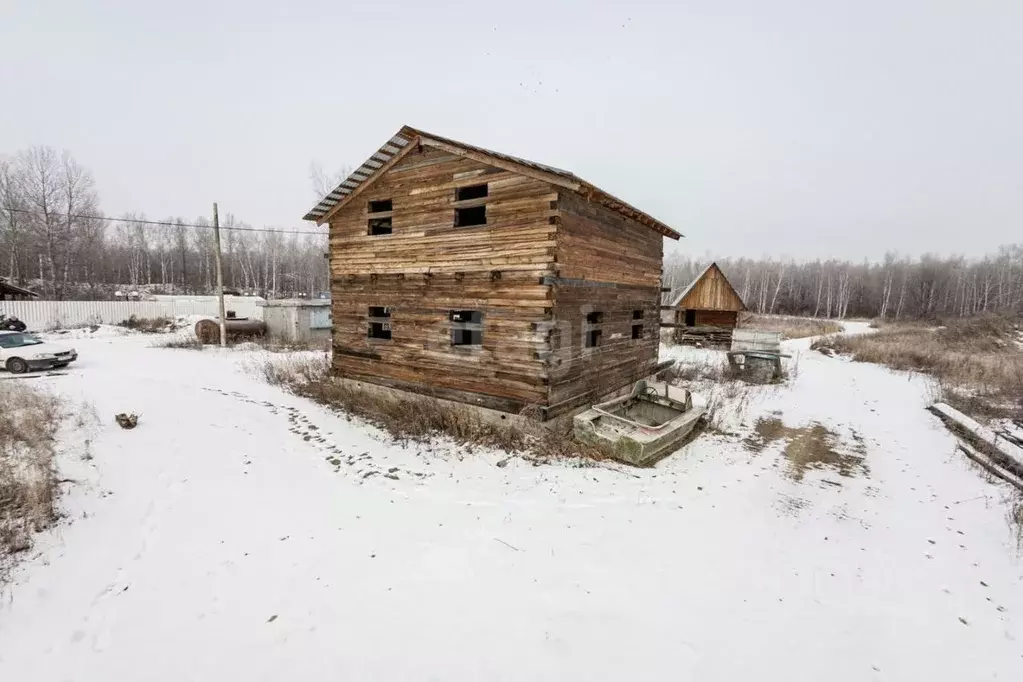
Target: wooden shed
pixel 707 310
pixel 12 292
pixel 470 275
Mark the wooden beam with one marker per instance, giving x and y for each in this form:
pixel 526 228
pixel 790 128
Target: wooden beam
pixel 695 328
pixel 497 162
pixel 989 465
pixel 354 352
pixel 433 391
pixel 368 181
pixel 554 280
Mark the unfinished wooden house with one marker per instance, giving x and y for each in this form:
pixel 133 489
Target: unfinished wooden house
pixel 707 310
pixel 465 274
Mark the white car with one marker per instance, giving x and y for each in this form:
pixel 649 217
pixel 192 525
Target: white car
pixel 20 352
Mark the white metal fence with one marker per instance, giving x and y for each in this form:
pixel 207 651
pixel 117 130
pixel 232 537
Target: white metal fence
pixel 43 315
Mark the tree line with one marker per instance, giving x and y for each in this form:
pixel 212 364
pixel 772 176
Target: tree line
pixel 899 287
pixel 55 238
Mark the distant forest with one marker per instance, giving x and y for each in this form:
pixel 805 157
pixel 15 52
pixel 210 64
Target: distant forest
pixel 55 237
pixel 926 287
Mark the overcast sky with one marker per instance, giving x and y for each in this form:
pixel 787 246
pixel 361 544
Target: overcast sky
pixel 787 128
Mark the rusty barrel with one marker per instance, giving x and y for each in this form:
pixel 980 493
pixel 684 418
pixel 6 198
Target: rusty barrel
pixel 208 331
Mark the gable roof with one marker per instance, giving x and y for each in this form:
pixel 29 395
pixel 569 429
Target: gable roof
pixel 408 138
pixel 6 287
pixel 699 278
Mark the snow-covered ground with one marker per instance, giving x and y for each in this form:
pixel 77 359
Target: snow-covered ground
pixel 218 541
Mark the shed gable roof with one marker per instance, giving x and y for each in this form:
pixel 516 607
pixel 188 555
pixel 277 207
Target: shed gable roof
pixel 7 287
pixel 408 138
pixel 727 297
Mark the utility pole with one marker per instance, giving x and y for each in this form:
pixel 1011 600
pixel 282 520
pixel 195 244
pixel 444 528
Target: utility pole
pixel 220 279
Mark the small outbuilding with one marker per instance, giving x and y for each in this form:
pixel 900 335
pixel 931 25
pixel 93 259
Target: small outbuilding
pixel 12 292
pixel 299 321
pixel 707 310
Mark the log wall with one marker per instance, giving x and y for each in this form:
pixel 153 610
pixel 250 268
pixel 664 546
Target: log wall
pixel 544 260
pixel 611 265
pixel 711 328
pixel 717 318
pixel 426 268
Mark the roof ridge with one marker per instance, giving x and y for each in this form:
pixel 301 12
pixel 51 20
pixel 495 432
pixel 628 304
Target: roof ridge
pixel 399 145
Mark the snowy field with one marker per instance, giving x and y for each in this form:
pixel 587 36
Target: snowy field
pixel 217 541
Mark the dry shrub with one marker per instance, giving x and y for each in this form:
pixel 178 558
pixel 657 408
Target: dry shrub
pixel 718 369
pixel 1014 516
pixel 148 325
pixel 728 393
pixel 697 369
pixel 977 364
pixel 791 327
pixel 188 342
pixel 28 423
pixel 984 333
pixel 272 343
pixel 420 418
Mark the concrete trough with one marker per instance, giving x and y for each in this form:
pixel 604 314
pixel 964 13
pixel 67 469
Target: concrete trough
pixel 643 426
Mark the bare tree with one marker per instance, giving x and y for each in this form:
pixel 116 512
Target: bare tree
pixel 777 287
pixel 12 203
pixel 39 173
pixel 80 205
pixel 322 182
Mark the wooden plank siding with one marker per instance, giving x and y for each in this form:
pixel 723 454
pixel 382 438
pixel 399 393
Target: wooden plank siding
pixel 709 328
pixel 707 310
pixel 608 264
pixel 545 259
pixel 712 292
pixel 716 318
pixel 426 268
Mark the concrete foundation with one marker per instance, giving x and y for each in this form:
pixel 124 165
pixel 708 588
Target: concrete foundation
pixel 485 414
pixel 562 421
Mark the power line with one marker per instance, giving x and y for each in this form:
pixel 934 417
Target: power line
pixel 163 223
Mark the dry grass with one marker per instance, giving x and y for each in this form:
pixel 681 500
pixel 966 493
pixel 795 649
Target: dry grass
pixel 149 325
pixel 28 424
pixel 419 419
pixel 729 394
pixel 718 370
pixel 978 365
pixel 813 446
pixel 275 344
pixel 791 327
pixel 185 341
pixel 270 344
pixel 702 369
pixel 1014 517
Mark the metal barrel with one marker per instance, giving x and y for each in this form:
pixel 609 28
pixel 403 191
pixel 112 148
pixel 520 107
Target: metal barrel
pixel 208 331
